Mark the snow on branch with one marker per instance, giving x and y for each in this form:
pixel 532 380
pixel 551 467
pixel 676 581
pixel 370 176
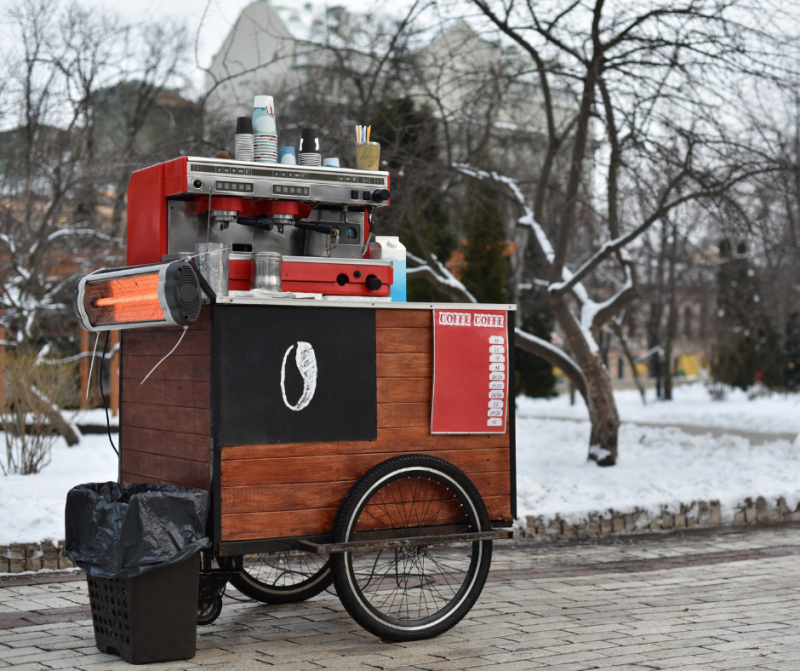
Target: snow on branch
pixel 589 309
pixel 553 355
pixel 40 359
pixel 608 248
pixel 608 308
pixel 527 219
pixel 441 277
pixel 9 243
pixel 88 232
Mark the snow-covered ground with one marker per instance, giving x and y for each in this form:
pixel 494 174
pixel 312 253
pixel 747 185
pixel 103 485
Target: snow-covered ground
pixel 691 404
pixel 93 416
pixel 657 466
pixel 32 506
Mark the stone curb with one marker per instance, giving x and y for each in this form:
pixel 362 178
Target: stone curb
pixel 696 514
pixel 20 557
pixel 47 555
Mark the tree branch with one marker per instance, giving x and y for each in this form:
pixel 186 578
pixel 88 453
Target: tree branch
pixel 528 342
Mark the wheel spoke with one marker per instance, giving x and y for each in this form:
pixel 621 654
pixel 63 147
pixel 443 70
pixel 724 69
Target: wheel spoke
pixel 422 583
pixel 283 576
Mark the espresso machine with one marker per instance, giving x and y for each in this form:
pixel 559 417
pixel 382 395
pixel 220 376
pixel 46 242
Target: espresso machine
pixel 317 218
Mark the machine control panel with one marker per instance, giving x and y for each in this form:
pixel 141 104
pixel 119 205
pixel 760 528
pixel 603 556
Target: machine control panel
pixel 321 185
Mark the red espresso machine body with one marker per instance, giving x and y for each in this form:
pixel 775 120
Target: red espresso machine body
pixel 255 207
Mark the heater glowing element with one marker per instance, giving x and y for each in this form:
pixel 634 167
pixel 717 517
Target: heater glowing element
pixel 123 300
pixel 158 294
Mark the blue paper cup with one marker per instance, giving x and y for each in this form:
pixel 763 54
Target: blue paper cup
pixel 286 151
pixel 330 162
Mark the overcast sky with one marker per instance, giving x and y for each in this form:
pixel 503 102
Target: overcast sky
pixel 220 15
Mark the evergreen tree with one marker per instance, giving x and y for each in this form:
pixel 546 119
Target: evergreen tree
pixel 792 352
pixel 747 348
pixel 409 141
pixel 534 376
pixel 486 267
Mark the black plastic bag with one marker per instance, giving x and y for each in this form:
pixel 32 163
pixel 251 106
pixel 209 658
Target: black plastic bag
pixel 123 531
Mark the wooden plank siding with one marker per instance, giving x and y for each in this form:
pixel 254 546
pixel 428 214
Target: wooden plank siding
pixel 278 491
pixel 165 423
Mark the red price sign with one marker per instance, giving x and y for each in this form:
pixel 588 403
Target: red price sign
pixel 470 371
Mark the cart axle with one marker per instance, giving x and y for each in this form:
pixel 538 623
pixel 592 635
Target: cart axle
pixel 365 546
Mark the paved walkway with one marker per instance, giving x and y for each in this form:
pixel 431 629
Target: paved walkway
pixel 709 600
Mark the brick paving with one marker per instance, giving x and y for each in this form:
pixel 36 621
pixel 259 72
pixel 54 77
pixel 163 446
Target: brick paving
pixel 712 600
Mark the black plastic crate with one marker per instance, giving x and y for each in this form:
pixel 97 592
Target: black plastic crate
pixel 148 619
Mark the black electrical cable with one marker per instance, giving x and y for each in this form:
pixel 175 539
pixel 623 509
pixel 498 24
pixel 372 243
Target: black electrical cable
pixel 103 396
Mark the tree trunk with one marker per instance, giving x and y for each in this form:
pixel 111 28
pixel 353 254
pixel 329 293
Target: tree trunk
pixel 599 395
pixel 657 309
pixel 670 319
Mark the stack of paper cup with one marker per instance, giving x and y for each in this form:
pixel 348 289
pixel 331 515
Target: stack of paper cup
pixel 309 147
pixel 244 139
pixel 265 131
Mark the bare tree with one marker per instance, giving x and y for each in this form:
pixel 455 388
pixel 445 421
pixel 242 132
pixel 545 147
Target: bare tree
pixel 79 87
pixel 648 74
pixel 636 92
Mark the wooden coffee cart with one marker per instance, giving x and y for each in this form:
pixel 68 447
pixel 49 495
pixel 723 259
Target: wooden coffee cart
pixel 324 472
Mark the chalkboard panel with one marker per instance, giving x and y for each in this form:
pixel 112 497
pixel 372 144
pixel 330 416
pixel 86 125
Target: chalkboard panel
pixel 293 375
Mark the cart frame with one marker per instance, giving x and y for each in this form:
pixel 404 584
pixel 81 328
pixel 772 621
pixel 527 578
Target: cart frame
pixel 136 460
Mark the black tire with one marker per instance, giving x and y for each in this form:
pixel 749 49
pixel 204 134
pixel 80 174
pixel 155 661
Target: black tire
pixel 209 610
pixel 209 599
pixel 283 577
pixel 437 585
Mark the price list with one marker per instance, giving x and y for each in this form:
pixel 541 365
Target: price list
pixel 470 372
pixel 497 381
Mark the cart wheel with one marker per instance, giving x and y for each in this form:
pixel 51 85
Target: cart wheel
pixel 283 577
pixel 420 591
pixel 209 600
pixel 209 610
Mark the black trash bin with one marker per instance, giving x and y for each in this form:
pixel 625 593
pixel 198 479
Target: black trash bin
pixel 139 545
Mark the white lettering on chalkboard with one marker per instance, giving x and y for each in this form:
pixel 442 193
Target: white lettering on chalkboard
pixel 496 340
pixel 306 361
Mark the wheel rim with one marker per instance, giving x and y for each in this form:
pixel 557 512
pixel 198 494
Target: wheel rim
pixel 415 587
pixel 284 571
pixel 207 609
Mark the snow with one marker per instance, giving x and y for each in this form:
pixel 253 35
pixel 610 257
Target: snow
pixel 657 469
pixel 691 405
pixel 95 416
pixel 443 276
pixel 32 506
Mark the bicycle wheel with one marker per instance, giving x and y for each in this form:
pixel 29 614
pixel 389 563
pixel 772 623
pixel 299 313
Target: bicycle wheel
pixel 283 577
pixel 419 591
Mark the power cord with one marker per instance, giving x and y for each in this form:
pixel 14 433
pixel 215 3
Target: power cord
pixel 103 396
